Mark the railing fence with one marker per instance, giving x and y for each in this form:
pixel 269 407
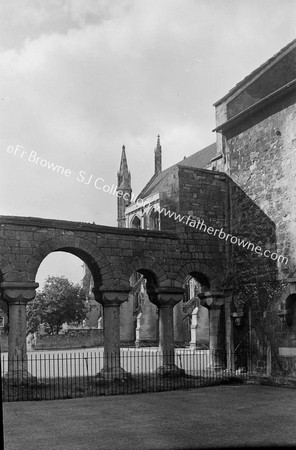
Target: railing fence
pixel 90 373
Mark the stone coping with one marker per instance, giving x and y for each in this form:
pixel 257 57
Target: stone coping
pixel 82 226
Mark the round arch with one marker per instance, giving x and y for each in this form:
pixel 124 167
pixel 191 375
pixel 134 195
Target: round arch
pixel 287 292
pixel 90 254
pixel 204 274
pixel 291 300
pixel 148 266
pixel 197 278
pixel 7 270
pixel 288 305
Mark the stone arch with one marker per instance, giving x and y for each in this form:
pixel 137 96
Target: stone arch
pixel 89 253
pixel 143 298
pixel 291 301
pixel 135 222
pixel 290 289
pixel 288 309
pixel 196 277
pixel 7 269
pixel 153 219
pixel 147 265
pixel 197 267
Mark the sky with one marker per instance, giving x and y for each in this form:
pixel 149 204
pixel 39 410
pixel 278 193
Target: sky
pixel 81 78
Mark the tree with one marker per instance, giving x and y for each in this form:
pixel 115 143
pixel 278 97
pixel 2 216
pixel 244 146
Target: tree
pixel 60 301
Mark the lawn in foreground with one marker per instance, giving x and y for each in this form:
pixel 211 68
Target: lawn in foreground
pixel 221 416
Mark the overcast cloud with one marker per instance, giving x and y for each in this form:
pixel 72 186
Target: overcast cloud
pixel 80 78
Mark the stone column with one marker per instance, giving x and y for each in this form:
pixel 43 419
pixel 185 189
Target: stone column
pixel 166 299
pixel 178 325
pixel 127 326
pixel 17 295
pixel 111 299
pixel 214 302
pixel 147 323
pixel 229 332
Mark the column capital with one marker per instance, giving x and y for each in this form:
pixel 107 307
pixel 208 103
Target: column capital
pixel 111 297
pixel 212 300
pixel 18 291
pixel 168 296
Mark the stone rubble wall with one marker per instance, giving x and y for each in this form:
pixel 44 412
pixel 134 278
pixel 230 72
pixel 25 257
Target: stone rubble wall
pixel 84 338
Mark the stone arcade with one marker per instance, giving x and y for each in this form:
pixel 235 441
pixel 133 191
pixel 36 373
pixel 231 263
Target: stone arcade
pixel 255 153
pixel 245 185
pixel 112 255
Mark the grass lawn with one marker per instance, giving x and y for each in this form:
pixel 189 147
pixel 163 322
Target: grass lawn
pixel 221 416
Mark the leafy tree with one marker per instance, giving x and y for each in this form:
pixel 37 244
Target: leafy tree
pixel 60 301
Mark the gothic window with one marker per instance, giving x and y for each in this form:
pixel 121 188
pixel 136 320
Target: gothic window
pixel 136 223
pixel 154 223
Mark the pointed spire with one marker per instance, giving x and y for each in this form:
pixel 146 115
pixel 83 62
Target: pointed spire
pixel 157 156
pixel 123 176
pixel 158 141
pixel 123 163
pixel 124 187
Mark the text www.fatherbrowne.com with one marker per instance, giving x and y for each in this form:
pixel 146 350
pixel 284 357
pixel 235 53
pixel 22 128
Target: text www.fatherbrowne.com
pixel 201 226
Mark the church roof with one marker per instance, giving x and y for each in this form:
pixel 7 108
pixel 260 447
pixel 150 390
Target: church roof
pixel 260 70
pixel 198 160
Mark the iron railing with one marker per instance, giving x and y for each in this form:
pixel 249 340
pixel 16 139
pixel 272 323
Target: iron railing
pixel 52 375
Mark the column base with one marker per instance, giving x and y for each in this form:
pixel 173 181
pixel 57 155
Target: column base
pixel 109 374
pixel 170 370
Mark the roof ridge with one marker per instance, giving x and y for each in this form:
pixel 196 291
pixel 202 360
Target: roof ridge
pixel 257 70
pixel 148 184
pixel 162 174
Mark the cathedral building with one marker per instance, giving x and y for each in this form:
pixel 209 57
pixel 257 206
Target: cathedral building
pixel 164 190
pixel 255 156
pixel 234 202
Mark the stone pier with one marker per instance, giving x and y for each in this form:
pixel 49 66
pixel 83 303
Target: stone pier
pixel 214 301
pixel 166 298
pixel 111 299
pixel 229 331
pixel 17 294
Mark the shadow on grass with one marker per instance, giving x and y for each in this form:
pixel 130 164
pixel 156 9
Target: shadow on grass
pixel 75 387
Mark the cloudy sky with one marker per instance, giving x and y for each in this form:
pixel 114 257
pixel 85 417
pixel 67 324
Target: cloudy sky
pixel 80 78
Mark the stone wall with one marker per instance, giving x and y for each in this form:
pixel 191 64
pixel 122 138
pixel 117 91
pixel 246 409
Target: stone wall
pixel 112 254
pixel 263 165
pixel 169 199
pixel 4 342
pixel 261 157
pixel 203 195
pixel 83 338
